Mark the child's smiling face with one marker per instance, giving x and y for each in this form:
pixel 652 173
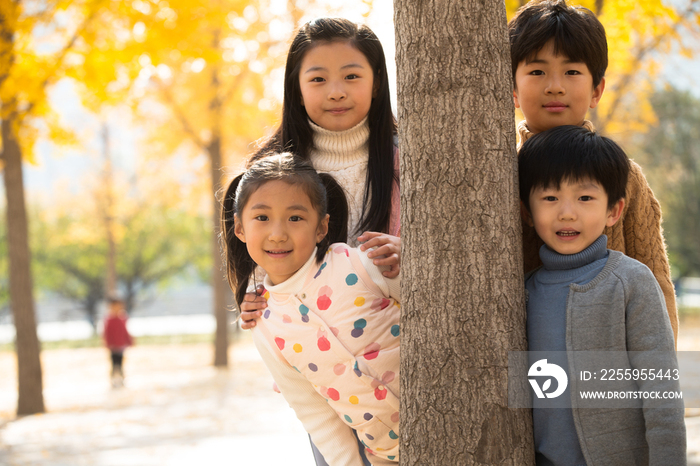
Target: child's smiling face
pixel 337 85
pixel 553 91
pixel 571 217
pixel 280 228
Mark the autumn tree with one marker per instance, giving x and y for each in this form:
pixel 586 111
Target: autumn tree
pixel 670 153
pixel 197 73
pixel 155 231
pixel 462 282
pixel 33 46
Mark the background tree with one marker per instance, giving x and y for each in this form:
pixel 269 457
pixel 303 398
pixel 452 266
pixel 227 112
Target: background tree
pixel 670 154
pixel 197 74
pixel 33 46
pixel 156 233
pixel 4 266
pixel 462 282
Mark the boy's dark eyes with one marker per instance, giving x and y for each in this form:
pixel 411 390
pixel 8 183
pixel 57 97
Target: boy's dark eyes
pixel 537 72
pixel 586 198
pixel 573 72
pixel 550 198
pixel 295 218
pixel 317 79
pixel 351 76
pixel 262 218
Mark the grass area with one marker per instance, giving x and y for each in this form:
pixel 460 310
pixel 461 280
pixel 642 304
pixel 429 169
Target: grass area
pixel 96 341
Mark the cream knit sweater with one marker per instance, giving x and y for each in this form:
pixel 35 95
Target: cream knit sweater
pixel 343 155
pixel 637 234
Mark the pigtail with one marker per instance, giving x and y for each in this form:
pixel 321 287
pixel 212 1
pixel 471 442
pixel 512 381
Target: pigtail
pixel 338 212
pixel 239 265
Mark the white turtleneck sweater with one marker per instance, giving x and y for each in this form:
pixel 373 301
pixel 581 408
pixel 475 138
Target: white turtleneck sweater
pixel 344 155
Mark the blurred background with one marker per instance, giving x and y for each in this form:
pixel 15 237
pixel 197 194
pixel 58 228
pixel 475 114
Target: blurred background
pixel 129 116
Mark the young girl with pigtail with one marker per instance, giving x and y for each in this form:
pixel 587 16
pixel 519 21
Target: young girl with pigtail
pixel 337 114
pixel 330 331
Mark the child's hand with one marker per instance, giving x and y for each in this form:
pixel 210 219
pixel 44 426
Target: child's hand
pixel 251 308
pixel 387 252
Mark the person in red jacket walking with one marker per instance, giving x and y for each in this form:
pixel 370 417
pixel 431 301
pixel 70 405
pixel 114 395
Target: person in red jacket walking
pixel 117 338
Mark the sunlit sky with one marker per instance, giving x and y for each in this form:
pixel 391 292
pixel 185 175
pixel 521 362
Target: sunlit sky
pixel 59 168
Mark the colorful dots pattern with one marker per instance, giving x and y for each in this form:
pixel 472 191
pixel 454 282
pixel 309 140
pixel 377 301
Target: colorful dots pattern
pixel 380 393
pixel 351 279
pixel 359 326
pixel 333 394
pixel 372 351
pixel 357 370
pixel 324 344
pixel 320 269
pixel 369 336
pixel 380 303
pixel 341 250
pixel 324 298
pixel 304 311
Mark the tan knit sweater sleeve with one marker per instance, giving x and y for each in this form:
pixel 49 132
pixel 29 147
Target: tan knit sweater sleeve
pixel 638 235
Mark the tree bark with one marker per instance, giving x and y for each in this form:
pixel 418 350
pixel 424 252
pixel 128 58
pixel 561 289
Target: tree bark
pixel 463 304
pixel 219 282
pixel 30 400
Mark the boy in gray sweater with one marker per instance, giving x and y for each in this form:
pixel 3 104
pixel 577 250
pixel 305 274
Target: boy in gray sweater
pixel 587 298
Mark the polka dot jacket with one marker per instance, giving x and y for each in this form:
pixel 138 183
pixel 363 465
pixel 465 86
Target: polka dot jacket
pixel 340 331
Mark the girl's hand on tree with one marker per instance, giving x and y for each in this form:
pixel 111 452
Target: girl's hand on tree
pixel 387 250
pixel 251 308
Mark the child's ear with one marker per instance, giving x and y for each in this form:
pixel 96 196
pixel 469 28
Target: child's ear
pixel 525 214
pixel 322 229
pixel 515 98
pixel 238 228
pixel 597 93
pixel 615 213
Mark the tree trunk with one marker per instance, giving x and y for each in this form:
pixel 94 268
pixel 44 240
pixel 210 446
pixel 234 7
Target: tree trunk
pixel 107 209
pixel 30 400
pixel 463 304
pixel 219 284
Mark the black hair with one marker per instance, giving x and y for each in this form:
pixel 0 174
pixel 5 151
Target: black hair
pixel 325 195
pixel 296 135
pixel 576 31
pixel 572 153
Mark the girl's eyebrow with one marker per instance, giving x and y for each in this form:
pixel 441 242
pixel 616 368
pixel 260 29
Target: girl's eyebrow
pixel 314 69
pixel 261 206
